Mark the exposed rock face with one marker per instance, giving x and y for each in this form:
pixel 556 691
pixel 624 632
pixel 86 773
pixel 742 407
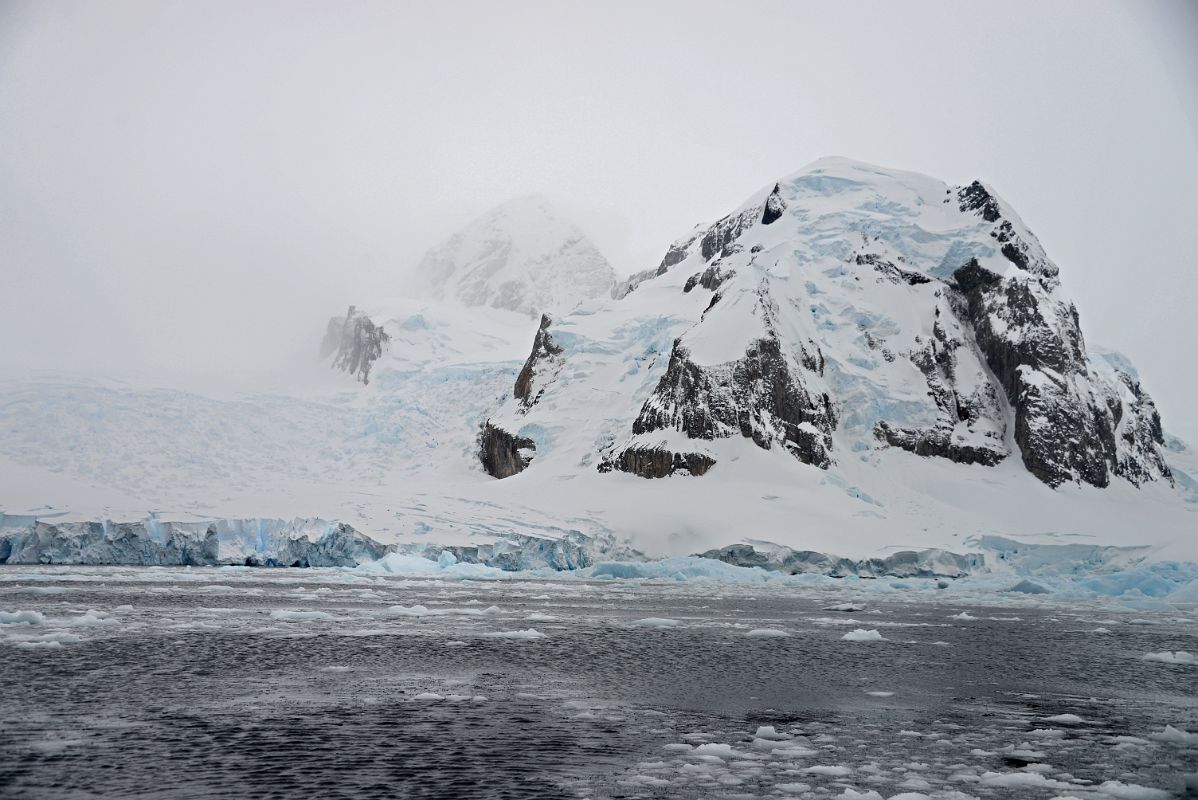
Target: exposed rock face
pixel 758 396
pixel 1138 431
pixel 891 271
pixel 710 278
pixel 903 564
pixel 541 361
pixel 657 462
pixel 774 206
pixel 357 342
pixel 971 428
pixel 503 454
pixel 1066 416
pixel 174 544
pixel 720 237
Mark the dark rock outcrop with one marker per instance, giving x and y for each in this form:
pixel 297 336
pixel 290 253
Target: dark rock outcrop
pixel 710 278
pixel 1138 425
pixel 503 454
pixel 1066 423
pixel 939 442
pixel 657 462
pixel 890 271
pixel 357 343
pixel 758 396
pixel 970 429
pixel 976 198
pixel 719 237
pixel 540 361
pixel 774 206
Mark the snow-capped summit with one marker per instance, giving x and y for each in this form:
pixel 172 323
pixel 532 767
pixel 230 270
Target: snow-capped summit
pixel 843 310
pixel 521 256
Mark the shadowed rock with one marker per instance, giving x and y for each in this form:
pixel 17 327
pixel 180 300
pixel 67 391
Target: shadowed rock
pixel 544 352
pixel 357 342
pixel 503 454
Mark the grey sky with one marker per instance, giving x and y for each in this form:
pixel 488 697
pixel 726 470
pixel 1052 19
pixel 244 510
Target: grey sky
pixel 200 184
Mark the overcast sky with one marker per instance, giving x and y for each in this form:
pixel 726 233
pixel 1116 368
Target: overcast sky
pixel 201 184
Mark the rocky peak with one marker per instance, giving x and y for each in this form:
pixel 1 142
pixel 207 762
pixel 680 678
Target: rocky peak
pixel 541 361
pixel 355 342
pixel 842 311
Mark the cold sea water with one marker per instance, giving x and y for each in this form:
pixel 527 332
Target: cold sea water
pixel 243 683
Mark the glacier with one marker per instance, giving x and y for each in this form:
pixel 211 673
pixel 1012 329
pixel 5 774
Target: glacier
pixel 1129 576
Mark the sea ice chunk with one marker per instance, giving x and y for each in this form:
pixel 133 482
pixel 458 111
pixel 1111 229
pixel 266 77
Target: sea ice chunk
pixel 862 635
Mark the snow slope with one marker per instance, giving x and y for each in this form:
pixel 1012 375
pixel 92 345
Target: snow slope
pixel 849 278
pixel 520 256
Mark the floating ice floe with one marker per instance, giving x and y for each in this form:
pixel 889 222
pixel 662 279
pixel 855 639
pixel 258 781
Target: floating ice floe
pixel 656 622
pixel 862 635
pixel 1066 719
pixel 829 770
pixel 527 633
pixel 767 633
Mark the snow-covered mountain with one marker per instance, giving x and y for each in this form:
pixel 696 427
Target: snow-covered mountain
pixel 843 310
pixel 854 361
pixel 520 256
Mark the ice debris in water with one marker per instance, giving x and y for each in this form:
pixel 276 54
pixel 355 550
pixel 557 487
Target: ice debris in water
pixel 528 633
pixel 770 733
pixel 862 635
pixel 1172 657
pixel 767 633
pixel 656 622
pixel 1066 719
pixel 1175 736
pixel 287 615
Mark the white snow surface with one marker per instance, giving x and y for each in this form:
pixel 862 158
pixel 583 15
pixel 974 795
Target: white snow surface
pixel 520 256
pixel 397 459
